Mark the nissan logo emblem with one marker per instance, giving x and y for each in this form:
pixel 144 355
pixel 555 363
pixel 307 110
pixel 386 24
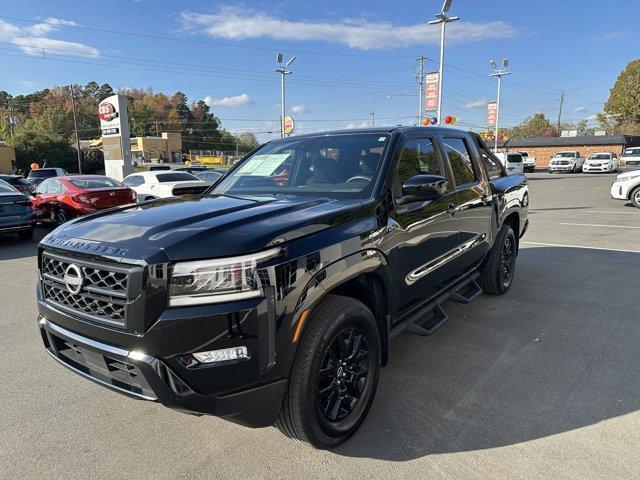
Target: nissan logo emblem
pixel 73 279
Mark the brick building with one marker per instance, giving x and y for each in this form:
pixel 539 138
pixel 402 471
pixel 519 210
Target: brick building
pixel 543 148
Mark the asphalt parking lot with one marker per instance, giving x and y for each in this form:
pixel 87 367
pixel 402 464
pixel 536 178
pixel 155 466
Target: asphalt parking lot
pixel 543 382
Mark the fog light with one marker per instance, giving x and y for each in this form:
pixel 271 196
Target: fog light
pixel 224 355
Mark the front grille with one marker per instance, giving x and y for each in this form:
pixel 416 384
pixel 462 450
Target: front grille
pixel 106 291
pixel 189 190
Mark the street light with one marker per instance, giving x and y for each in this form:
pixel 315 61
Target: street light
pixel 283 71
pixel 498 72
pixel 442 19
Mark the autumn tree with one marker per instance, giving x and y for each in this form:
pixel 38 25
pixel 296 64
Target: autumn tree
pixel 622 109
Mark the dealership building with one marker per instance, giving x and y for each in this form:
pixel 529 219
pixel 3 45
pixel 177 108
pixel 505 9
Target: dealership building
pixel 543 148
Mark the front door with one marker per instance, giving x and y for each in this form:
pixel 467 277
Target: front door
pixel 423 234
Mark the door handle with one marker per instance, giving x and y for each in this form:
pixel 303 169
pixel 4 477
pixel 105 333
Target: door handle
pixel 452 209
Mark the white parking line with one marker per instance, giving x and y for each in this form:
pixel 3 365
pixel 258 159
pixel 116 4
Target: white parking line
pixel 581 246
pixel 596 225
pixel 579 212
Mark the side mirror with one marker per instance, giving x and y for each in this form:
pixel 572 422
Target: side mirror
pixel 423 188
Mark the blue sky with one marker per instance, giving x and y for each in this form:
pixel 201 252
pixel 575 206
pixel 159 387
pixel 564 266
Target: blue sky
pixel 350 55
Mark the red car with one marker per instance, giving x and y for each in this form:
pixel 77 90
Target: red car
pixel 59 199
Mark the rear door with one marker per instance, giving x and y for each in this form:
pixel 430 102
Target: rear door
pixel 423 235
pixel 473 199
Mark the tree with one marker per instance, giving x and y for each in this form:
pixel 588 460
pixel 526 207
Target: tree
pixel 247 141
pixel 622 109
pixel 538 125
pixel 43 149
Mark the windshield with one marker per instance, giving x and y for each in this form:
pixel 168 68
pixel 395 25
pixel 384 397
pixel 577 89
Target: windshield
pixel 631 152
pixel 341 166
pixel 6 188
pixel 565 155
pixel 599 156
pixel 16 181
pixel 176 177
pixel 42 173
pixel 95 182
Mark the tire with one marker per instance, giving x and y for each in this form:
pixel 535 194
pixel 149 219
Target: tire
pixel 61 217
pixel 341 329
pixel 494 280
pixel 26 234
pixel 634 196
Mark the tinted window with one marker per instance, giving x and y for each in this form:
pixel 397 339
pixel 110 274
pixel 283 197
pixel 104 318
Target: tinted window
pixel 209 176
pixel 175 177
pixel 631 152
pixel 418 158
pixel 15 181
pixel 94 182
pixel 514 158
pixel 133 181
pixel 6 188
pixel 600 156
pixel 460 160
pixel 43 173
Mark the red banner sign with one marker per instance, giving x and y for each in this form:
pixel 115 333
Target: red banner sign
pixel 492 109
pixel 432 81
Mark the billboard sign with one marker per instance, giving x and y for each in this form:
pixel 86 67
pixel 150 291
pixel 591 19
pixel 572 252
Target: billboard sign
pixel 289 125
pixel 492 111
pixel 116 144
pixel 432 83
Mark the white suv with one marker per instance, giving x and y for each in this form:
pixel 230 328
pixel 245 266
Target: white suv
pixel 601 162
pixel 626 186
pixel 164 184
pixel 631 156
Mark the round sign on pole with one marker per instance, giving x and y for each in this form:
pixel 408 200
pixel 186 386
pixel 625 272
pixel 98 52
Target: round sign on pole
pixel 289 125
pixel 106 112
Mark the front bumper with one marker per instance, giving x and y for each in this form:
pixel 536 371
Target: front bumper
pixel 561 168
pixel 621 190
pixel 145 377
pixel 596 168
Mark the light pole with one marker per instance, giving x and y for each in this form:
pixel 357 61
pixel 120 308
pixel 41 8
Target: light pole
pixel 420 78
pixel 498 72
pixel 442 19
pixel 282 70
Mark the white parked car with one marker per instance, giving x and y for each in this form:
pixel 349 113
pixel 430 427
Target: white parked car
pixel 164 184
pixel 601 162
pixel 528 162
pixel 631 156
pixel 570 161
pixel 626 186
pixel 512 162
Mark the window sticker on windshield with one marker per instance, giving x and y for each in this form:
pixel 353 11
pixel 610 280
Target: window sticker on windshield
pixel 263 165
pixel 382 139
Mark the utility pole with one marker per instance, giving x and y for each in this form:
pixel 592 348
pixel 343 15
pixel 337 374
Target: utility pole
pixel 75 126
pixel 10 117
pixel 420 87
pixel 498 72
pixel 442 20
pixel 157 132
pixel 373 117
pixel 560 111
pixel 282 70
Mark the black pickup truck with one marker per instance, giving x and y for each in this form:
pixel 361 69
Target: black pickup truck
pixel 272 297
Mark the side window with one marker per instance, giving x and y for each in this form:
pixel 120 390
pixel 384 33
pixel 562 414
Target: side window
pixel 133 181
pixel 56 187
pixel 418 157
pixel 460 160
pixel 43 188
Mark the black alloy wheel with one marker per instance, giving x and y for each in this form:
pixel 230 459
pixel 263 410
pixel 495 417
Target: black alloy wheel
pixel 343 374
pixel 497 275
pixel 507 261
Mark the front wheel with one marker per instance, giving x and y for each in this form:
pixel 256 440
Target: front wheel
pixel 635 197
pixel 334 375
pixel 61 217
pixel 497 275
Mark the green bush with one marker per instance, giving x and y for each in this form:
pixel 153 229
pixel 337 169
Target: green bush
pixel 93 161
pixel 43 149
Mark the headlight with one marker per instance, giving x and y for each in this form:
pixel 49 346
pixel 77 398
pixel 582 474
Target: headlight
pixel 628 177
pixel 218 280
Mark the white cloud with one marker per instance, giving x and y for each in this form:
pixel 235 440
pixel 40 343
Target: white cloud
pixel 480 103
pixel 231 102
pixel 28 83
pixel 580 109
pixel 300 108
pixel 358 125
pixel 610 36
pixel 34 38
pixel 235 23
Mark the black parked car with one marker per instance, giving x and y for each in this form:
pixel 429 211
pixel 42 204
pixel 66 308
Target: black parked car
pixel 16 214
pixel 19 183
pixel 272 297
pixel 36 177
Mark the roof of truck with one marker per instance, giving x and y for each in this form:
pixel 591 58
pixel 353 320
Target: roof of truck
pixel 379 130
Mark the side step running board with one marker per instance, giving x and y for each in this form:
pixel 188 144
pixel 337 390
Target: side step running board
pixel 428 324
pixel 467 293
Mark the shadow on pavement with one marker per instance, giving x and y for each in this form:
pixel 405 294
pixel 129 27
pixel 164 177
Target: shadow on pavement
pixel 558 352
pixel 11 247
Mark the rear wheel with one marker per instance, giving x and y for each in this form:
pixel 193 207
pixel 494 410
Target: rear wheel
pixel 61 217
pixel 635 197
pixel 497 275
pixel 334 375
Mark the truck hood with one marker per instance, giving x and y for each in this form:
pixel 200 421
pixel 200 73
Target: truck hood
pixel 194 227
